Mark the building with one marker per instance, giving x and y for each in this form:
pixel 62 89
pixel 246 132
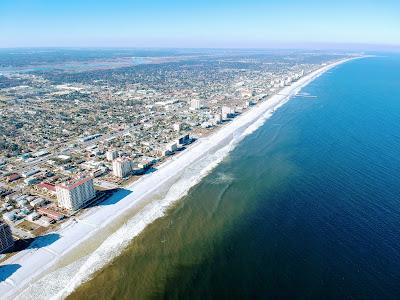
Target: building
pixel 50 213
pixel 121 167
pixel 163 152
pixel 47 187
pixel 177 127
pixel 184 140
pixel 89 138
pixel 111 155
pixel 226 110
pixel 217 118
pixel 75 194
pixel 33 216
pixel 171 147
pixel 64 158
pixel 195 104
pixel 249 103
pixel 97 172
pixel 146 162
pixel 31 180
pixel 30 173
pixel 206 125
pixel 38 202
pixel 10 216
pixel 137 170
pixel 6 239
pixel 13 177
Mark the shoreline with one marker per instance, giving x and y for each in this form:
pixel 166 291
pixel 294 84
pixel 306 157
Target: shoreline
pixel 137 204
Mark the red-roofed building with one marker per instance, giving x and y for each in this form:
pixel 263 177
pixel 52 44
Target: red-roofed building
pixel 48 187
pixel 50 213
pixel 76 193
pixel 13 177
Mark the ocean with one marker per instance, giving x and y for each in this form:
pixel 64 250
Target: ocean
pixel 306 207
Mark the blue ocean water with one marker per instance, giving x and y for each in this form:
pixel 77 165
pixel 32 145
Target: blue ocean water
pixel 307 207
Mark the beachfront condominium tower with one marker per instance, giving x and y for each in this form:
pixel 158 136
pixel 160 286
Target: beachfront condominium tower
pixel 111 155
pixel 74 194
pixel 6 239
pixel 121 167
pixel 195 104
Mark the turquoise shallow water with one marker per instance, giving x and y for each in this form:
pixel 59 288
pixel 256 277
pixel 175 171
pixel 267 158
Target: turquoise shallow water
pixel 306 207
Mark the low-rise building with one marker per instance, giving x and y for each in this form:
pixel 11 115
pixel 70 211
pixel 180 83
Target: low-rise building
pixel 146 162
pixel 30 173
pixel 50 213
pixel 33 216
pixel 37 202
pixel 47 187
pixel 10 216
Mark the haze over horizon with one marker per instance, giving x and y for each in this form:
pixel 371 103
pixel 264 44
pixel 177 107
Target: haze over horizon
pixel 224 24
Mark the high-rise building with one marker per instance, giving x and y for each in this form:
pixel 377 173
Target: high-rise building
pixel 111 155
pixel 6 239
pixel 177 127
pixel 249 103
pixel 76 193
pixel 217 118
pixel 121 167
pixel 227 112
pixel 195 104
pixel 184 140
pixel 171 147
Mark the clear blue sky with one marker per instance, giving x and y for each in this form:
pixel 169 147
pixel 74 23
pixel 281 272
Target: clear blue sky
pixel 202 23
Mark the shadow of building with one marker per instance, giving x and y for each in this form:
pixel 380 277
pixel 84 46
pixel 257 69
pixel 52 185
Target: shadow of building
pixel 7 270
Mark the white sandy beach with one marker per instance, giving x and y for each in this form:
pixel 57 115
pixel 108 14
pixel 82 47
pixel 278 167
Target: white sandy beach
pixel 101 233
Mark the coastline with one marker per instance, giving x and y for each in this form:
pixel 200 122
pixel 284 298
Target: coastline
pixel 135 205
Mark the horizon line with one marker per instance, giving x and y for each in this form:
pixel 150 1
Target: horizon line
pixel 275 45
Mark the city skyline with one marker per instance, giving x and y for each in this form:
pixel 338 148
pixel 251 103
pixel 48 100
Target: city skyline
pixel 226 24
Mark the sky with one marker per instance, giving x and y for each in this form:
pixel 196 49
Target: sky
pixel 199 24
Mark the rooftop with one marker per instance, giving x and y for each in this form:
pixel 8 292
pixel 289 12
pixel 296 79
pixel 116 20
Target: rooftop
pixel 70 185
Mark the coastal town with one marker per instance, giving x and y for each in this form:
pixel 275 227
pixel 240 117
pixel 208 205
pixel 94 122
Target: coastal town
pixel 69 140
pixel 199 150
